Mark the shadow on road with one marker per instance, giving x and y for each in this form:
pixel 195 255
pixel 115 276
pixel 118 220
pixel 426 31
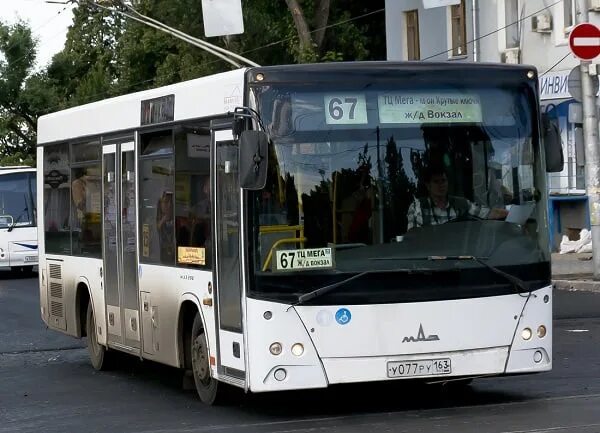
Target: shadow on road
pixel 338 400
pixel 10 274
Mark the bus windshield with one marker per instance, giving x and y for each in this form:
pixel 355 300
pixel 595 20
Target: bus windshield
pixel 390 176
pixel 17 192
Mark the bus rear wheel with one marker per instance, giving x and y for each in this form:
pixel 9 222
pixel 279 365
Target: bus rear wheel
pixel 98 354
pixel 209 389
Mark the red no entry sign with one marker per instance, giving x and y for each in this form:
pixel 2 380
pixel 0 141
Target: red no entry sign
pixel 584 41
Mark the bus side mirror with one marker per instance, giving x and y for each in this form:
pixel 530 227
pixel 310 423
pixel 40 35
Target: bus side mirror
pixel 253 159
pixel 552 146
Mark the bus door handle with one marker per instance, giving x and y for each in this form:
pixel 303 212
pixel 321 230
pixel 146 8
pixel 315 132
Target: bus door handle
pixel 153 318
pixel 207 301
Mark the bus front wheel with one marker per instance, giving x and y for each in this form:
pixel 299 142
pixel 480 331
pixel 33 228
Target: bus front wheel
pixel 98 354
pixel 209 389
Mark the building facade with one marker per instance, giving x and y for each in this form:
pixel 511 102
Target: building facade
pixel 533 32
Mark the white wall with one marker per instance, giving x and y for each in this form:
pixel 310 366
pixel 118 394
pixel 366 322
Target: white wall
pixel 541 50
pixel 434 31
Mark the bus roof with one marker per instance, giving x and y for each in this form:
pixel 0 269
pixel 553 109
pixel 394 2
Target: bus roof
pixel 218 94
pixel 202 97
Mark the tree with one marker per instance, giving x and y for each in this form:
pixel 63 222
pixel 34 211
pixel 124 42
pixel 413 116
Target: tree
pixel 18 104
pixel 147 57
pixel 349 40
pixel 86 69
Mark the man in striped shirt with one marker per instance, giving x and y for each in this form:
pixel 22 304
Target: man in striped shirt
pixel 439 207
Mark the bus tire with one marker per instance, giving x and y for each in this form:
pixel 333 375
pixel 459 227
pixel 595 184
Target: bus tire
pixel 97 352
pixel 208 388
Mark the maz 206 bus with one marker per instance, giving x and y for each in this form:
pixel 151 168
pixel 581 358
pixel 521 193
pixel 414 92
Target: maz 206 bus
pixel 18 231
pixel 274 228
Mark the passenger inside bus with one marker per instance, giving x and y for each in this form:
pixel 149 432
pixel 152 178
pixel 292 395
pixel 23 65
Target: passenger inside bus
pixel 165 228
pixel 200 216
pixel 438 207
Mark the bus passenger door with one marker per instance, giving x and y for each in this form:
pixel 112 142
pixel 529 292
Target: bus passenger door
pixel 230 339
pixel 119 252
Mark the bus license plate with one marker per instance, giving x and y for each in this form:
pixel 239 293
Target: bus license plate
pixel 421 367
pixel 31 258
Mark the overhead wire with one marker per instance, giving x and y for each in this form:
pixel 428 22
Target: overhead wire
pixel 555 65
pixel 197 40
pixel 186 38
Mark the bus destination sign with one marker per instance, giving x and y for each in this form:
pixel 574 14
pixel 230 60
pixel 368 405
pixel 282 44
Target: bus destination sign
pixel 158 110
pixel 429 108
pixel 310 258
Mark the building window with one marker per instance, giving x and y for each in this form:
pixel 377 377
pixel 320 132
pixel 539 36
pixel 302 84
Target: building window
pixel 511 19
pixel 569 14
pixel 412 35
pixel 459 29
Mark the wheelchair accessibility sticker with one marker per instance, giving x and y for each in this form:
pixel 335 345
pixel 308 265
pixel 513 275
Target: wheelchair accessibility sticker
pixel 343 316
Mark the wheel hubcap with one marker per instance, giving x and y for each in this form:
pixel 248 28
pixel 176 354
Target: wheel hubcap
pixel 92 336
pixel 200 360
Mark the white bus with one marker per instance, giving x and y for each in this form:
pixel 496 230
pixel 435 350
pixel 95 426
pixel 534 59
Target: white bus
pixel 294 227
pixel 18 231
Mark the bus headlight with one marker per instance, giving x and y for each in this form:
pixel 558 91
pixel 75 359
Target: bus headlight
pixel 526 334
pixel 298 349
pixel 541 331
pixel 275 349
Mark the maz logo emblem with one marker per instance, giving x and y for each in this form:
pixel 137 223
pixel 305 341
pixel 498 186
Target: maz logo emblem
pixel 421 336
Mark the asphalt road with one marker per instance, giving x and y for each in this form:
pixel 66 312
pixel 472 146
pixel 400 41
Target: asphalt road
pixel 47 385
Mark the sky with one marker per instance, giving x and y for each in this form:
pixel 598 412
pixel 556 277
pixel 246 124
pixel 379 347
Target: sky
pixel 49 23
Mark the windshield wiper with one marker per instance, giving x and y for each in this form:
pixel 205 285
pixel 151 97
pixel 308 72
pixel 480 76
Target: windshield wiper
pixel 516 281
pixel 326 289
pixel 14 224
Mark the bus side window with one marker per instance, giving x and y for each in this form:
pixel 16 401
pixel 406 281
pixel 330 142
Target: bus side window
pixel 86 200
pixel 192 197
pixel 57 195
pixel 156 174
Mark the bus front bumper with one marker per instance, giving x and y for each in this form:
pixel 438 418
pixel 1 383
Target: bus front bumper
pixel 428 341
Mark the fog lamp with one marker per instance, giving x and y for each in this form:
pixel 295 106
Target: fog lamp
pixel 526 334
pixel 280 374
pixel 541 331
pixel 298 349
pixel 275 349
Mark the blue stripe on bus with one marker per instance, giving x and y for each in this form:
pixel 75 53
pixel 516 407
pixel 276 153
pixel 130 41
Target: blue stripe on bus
pixel 33 247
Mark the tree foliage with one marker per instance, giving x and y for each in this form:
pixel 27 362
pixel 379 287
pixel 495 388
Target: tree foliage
pixel 18 102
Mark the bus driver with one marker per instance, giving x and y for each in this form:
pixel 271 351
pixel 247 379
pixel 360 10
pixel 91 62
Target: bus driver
pixel 439 207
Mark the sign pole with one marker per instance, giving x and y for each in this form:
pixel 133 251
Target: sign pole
pixel 592 153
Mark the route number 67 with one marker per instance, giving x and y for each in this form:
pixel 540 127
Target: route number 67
pixel 286 260
pixel 345 109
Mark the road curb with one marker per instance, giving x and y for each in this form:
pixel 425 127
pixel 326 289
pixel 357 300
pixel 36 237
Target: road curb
pixel 577 285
